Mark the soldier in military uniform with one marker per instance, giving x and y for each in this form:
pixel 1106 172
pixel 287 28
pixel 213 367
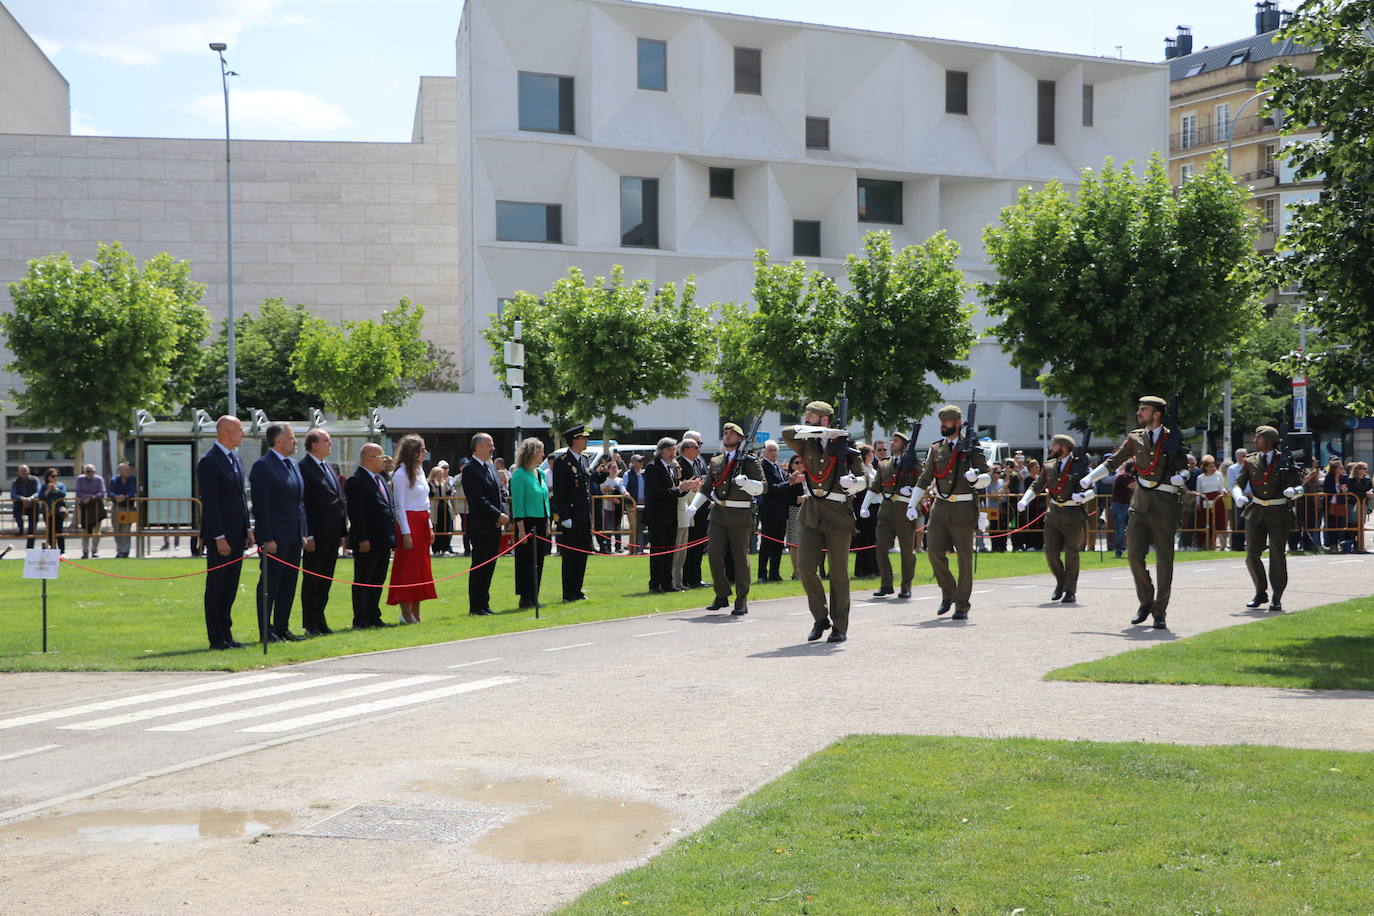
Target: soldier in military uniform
pixel 956 475
pixel 893 490
pixel 826 519
pixel 733 479
pixel 1065 518
pixel 1268 512
pixel 572 507
pixel 1155 506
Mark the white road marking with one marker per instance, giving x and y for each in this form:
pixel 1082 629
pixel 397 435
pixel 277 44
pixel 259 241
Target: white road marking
pixel 209 702
pixel 379 705
pixel 654 633
pixel 1121 577
pixel 981 591
pixel 1027 586
pixel 576 645
pixel 481 662
pixel 299 703
pixel 102 705
pixel 925 597
pixel 30 752
pixel 797 613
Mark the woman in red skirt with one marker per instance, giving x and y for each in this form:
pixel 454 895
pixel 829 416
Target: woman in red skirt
pixel 411 578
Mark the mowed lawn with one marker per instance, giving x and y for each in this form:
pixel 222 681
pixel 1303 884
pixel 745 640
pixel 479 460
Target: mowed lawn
pixel 99 623
pixel 1324 648
pixel 915 825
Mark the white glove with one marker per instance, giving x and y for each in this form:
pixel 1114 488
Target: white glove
pixel 871 498
pixel 818 432
pixel 697 502
pixel 567 523
pixel 970 475
pixel 1080 497
pixel 911 511
pixel 748 484
pixel 905 491
pixel 1240 501
pixel 853 485
pixel 863 513
pixel 1093 476
pixel 1293 492
pixel 1025 501
pixel 981 481
pixel 1178 480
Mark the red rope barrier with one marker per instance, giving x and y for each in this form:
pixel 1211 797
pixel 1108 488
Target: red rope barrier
pixel 311 572
pixel 622 556
pixel 110 575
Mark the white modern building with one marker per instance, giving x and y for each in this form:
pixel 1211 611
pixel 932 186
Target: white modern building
pixel 677 142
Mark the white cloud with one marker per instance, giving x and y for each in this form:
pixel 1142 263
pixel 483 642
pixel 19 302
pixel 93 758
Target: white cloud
pixel 296 19
pixel 83 126
pixel 275 110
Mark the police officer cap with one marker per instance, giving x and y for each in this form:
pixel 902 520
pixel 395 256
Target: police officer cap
pixel 574 432
pixel 951 412
pixel 1065 439
pixel 1268 432
pixel 1151 401
pixel 735 427
pixel 820 407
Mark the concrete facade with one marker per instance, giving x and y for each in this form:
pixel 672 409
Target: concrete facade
pixel 34 96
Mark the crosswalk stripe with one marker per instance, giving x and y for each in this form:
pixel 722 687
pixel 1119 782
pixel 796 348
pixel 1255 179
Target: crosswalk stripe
pixel 362 709
pixel 30 752
pixel 102 705
pixel 209 702
pixel 481 661
pixel 299 703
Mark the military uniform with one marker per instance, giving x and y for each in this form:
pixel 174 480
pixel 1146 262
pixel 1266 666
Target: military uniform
pixel 826 520
pixel 953 514
pixel 1065 519
pixel 732 522
pixel 1268 517
pixel 897 488
pixel 1155 509
pixel 571 499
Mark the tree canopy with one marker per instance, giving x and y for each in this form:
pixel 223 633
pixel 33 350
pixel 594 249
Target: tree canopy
pixel 264 346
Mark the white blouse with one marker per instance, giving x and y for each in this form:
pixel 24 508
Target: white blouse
pixel 1211 483
pixel 408 496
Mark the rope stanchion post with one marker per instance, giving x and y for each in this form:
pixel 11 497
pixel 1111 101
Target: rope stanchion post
pixel 262 599
pixel 45 616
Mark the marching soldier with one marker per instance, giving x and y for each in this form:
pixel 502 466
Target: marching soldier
pixel 834 473
pixel 733 479
pixel 1274 484
pixel 1155 507
pixel 894 490
pixel 1065 517
pixel 572 507
pixel 956 473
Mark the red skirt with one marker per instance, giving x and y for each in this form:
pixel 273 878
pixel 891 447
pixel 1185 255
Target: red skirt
pixel 411 576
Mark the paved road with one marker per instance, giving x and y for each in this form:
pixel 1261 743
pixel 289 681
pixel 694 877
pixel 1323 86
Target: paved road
pixel 686 710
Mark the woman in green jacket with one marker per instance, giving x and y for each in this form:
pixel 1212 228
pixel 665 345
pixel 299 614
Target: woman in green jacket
pixel 529 495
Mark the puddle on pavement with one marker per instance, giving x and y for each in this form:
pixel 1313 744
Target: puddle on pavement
pixel 564 827
pixel 164 826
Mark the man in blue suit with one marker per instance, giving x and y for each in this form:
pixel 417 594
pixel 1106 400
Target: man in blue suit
pixel 223 529
pixel 280 525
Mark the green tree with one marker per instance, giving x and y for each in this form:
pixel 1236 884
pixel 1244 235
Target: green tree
pixel 264 345
pixel 1328 249
pixel 362 364
pixel 95 341
pixel 902 321
pixel 594 350
pixel 1130 288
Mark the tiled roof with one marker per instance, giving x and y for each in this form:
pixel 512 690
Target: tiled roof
pixel 1219 57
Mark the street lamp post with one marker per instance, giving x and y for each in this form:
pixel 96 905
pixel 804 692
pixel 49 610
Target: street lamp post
pixel 219 47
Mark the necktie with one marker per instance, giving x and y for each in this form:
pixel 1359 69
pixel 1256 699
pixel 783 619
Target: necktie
pixel 329 477
pixel 386 494
pixel 1266 459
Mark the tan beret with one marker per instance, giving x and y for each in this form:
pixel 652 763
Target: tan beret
pixel 819 407
pixel 1268 432
pixel 1151 401
pixel 735 427
pixel 1066 439
pixel 951 412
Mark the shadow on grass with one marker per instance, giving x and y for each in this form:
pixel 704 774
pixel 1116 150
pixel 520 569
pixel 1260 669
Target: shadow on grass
pixel 1323 663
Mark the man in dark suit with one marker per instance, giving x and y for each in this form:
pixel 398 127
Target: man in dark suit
pixel 485 519
pixel 371 534
pixel 663 485
pixel 572 506
pixel 223 529
pixel 773 506
pixel 327 517
pixel 694 466
pixel 280 526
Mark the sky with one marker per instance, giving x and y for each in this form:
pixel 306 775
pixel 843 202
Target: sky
pixel 350 69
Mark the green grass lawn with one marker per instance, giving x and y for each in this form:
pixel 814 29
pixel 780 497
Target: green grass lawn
pixel 1324 648
pixel 906 825
pixel 97 623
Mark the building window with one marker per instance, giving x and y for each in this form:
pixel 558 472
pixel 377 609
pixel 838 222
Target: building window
pixel 1087 105
pixel 723 183
pixel 1187 131
pixel 1044 112
pixel 501 306
pixel 818 133
pixel 749 71
pixel 639 212
pixel 1238 57
pixel 1194 70
pixel 1029 380
pixel 1185 173
pixel 1269 210
pixel 519 222
pixel 1271 156
pixel 806 238
pixel 1221 115
pixel 956 92
pixel 546 103
pixel 880 201
pixel 653 64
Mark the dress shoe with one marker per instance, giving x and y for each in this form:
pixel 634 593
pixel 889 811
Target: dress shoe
pixel 1141 614
pixel 718 604
pixel 882 592
pixel 312 633
pixel 526 604
pixel 739 612
pixel 676 588
pixel 383 625
pixel 655 590
pixel 273 637
pixel 837 636
pixel 904 593
pixel 218 646
pixel 1058 593
pixel 1159 624
pixel 1276 606
pixel 944 607
pixel 960 615
pixel 1259 599
pixel 324 630
pixel 234 644
pixel 818 630
pixel 480 612
pixel 1069 598
pixel 288 636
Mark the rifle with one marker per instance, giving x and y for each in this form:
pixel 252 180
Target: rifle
pixel 749 446
pixel 969 443
pixel 1173 445
pixel 1081 464
pixel 906 464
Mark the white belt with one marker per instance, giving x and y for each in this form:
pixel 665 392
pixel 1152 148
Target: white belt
pixel 735 503
pixel 1067 503
pixel 833 497
pixel 897 497
pixel 1276 501
pixel 956 498
pixel 1161 487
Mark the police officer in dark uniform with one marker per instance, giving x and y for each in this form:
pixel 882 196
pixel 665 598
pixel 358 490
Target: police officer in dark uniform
pixel 572 507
